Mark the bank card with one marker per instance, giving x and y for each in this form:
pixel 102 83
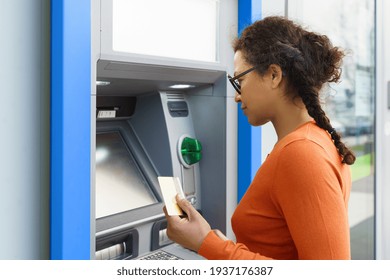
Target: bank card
pixel 170 187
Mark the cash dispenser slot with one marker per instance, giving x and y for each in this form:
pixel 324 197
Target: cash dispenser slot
pixel 120 245
pixel 159 235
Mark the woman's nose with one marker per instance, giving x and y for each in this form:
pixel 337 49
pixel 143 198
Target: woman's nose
pixel 237 98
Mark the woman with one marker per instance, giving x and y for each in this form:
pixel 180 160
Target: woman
pixel 296 206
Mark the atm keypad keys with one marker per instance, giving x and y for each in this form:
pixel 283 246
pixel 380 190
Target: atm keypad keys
pixel 160 255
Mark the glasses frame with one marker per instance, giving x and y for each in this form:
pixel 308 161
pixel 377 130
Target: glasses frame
pixel 233 80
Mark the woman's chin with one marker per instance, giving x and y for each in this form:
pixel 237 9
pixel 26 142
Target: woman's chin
pixel 255 122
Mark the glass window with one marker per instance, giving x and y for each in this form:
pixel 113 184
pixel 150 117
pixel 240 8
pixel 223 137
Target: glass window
pixel 350 24
pixel 170 28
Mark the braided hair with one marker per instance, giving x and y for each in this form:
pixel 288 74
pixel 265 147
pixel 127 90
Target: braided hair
pixel 308 60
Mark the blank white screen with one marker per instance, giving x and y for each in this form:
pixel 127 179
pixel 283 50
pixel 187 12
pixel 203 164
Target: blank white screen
pixel 185 29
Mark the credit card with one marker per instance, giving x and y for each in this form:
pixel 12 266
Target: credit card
pixel 170 187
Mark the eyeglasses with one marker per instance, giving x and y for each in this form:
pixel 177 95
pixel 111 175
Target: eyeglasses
pixel 235 83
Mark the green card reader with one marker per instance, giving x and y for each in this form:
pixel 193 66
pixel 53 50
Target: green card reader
pixel 189 152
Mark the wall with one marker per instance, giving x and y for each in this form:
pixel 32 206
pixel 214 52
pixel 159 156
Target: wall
pixel 24 118
pixel 383 131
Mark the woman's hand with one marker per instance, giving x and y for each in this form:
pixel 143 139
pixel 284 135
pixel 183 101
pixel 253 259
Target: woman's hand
pixel 188 231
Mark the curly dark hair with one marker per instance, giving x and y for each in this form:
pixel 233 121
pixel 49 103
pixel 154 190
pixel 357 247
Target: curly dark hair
pixel 308 60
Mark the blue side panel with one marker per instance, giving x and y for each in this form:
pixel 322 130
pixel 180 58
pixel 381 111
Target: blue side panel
pixel 70 129
pixel 256 10
pixel 249 138
pixel 255 150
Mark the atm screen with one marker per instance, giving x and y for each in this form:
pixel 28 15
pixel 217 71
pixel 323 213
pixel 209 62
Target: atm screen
pixel 120 184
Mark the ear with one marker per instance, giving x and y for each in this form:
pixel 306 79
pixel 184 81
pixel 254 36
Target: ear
pixel 276 75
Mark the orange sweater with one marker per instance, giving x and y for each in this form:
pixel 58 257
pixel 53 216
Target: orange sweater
pixel 296 206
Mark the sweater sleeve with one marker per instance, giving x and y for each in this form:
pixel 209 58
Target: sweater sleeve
pixel 214 248
pixel 308 190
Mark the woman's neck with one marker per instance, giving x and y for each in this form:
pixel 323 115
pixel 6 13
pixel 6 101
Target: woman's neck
pixel 289 116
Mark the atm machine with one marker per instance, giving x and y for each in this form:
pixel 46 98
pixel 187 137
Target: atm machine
pixel 154 117
pixel 138 138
